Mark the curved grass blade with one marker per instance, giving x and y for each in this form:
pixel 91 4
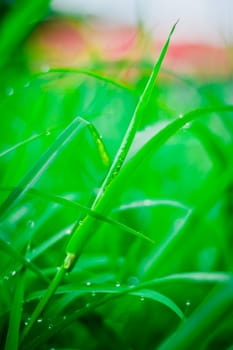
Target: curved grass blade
pixel 163 135
pixel 75 245
pixel 12 340
pixel 159 258
pixel 152 203
pixel 99 143
pixel 42 164
pixel 85 72
pixel 82 232
pixel 135 122
pixel 203 320
pixel 109 294
pixel 78 239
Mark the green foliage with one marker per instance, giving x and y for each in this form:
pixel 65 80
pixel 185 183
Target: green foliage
pixel 134 181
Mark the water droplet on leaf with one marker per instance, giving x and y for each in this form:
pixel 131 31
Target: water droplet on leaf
pixel 133 281
pixel 30 223
pixel 10 91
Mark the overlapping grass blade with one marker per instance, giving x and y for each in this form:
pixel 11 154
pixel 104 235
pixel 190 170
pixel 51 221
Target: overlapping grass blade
pixel 135 121
pixel 73 204
pixel 210 312
pixel 109 293
pixel 82 232
pixel 162 136
pixel 159 258
pixel 16 256
pixel 42 164
pixel 12 339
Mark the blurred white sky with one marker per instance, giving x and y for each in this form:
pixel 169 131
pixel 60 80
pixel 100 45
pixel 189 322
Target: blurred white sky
pixel 200 20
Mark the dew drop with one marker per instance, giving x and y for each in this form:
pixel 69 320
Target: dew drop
pixel 27 84
pixel 186 126
pixel 142 298
pixel 50 326
pixel 68 231
pixel 188 303
pixel 25 323
pixel 180 115
pixel 93 294
pixel 30 223
pixel 133 281
pixel 118 284
pixel 88 283
pixel 48 133
pixel 64 317
pixel 13 273
pixel 10 91
pixel 39 320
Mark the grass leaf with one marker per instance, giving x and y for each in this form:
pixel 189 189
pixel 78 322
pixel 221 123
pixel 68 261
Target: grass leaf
pixel 42 164
pixel 12 339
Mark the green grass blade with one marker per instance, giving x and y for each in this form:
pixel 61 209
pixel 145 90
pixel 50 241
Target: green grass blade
pixel 163 135
pixel 135 121
pixel 152 203
pixel 13 253
pixel 157 261
pixel 109 293
pixel 12 340
pixel 207 316
pixel 43 302
pixel 42 164
pixel 17 24
pixel 82 232
pixel 71 204
pixel 25 142
pixel 84 72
